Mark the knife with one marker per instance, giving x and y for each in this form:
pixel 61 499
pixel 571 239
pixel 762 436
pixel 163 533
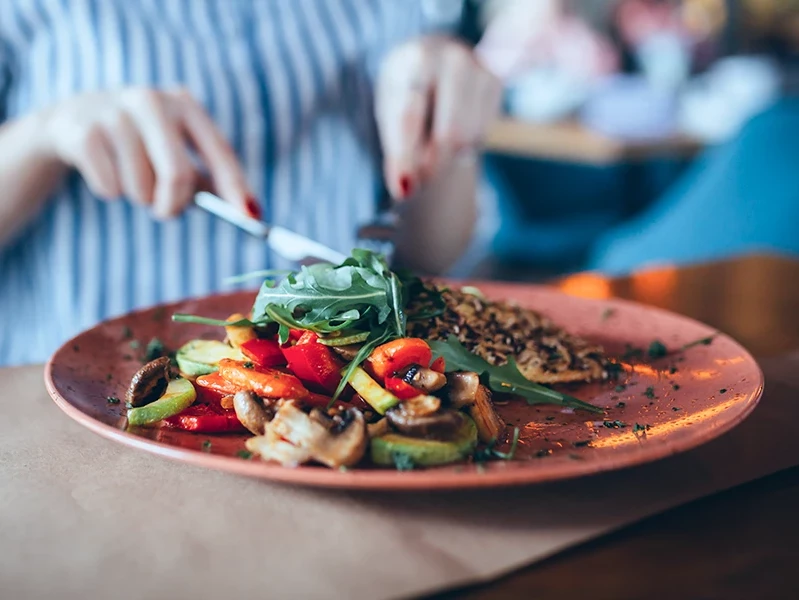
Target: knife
pixel 286 243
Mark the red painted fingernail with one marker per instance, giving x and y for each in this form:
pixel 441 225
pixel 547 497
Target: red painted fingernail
pixel 253 208
pixel 406 186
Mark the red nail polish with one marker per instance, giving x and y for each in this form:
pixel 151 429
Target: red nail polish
pixel 253 208
pixel 406 186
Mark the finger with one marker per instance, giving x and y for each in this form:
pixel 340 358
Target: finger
pixel 403 103
pixel 484 107
pixel 94 160
pixel 136 174
pixel 226 172
pixel 175 175
pixel 455 108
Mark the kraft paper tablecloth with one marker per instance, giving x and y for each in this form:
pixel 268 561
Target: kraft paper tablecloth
pixel 82 517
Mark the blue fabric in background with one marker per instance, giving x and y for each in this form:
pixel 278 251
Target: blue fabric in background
pixel 739 197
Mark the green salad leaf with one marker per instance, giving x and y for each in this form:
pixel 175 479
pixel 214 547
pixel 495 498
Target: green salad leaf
pixel 505 379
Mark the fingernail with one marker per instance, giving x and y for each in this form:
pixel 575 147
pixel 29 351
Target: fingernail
pixel 253 209
pixel 406 185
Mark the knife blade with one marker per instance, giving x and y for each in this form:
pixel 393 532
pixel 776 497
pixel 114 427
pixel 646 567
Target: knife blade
pixel 286 243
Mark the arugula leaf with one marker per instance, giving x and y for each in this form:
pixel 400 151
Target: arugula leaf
pixel 506 379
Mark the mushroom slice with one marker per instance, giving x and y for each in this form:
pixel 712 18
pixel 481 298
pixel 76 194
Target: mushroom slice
pixel 438 425
pixel 271 447
pixel 378 429
pixel 342 445
pixel 489 424
pixel 252 412
pixel 463 386
pixel 348 353
pixel 149 383
pixel 426 380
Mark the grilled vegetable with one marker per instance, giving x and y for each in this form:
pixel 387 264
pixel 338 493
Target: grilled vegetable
pixel 424 452
pixel 238 335
pixel 268 383
pixel 179 395
pixel 201 357
pixel 489 424
pixel 369 390
pixel 149 383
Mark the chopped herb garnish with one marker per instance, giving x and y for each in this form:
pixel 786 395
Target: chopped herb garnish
pixel 489 452
pixel 249 365
pixel 155 349
pixel 650 392
pixel 657 349
pixel 245 454
pixel 607 314
pixel 127 357
pixel 543 453
pixel 723 391
pixel 75 347
pixel 637 428
pixel 550 418
pixel 672 370
pixel 582 443
pixel 576 457
pixel 206 445
pixel 127 332
pixel 135 344
pixel 112 400
pixel 621 405
pixel 620 388
pixel 701 342
pixel 109 377
pixel 614 424
pixel 675 387
pixel 402 461
pixel 676 408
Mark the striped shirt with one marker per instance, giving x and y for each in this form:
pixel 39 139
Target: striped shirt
pixel 287 81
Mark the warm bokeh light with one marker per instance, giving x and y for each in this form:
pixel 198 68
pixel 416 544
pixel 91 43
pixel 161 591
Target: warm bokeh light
pixel 586 285
pixel 654 287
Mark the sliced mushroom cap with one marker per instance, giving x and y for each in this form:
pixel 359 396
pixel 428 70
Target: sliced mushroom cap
pixel 463 386
pixel 489 424
pixel 441 424
pixel 348 353
pixel 252 412
pixel 342 445
pixel 424 379
pixel 149 383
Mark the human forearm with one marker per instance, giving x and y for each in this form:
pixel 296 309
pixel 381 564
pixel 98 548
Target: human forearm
pixel 437 225
pixel 28 173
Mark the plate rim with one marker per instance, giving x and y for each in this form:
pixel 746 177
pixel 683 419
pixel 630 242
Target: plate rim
pixel 421 480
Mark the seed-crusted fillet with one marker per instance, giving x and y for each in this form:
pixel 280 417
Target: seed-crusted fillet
pixel 499 330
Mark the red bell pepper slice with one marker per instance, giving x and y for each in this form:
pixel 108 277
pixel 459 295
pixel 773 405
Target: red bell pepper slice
pixel 206 418
pixel 314 364
pixel 401 389
pixel 439 365
pixel 264 353
pixel 394 356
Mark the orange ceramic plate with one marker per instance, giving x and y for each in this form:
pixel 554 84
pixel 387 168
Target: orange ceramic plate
pixel 677 402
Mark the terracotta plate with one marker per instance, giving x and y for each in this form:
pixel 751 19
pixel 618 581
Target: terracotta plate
pixel 657 408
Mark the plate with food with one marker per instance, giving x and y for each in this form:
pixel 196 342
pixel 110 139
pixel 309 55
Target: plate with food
pixel 356 376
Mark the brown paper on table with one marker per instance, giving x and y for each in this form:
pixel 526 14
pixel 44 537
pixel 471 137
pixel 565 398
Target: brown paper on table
pixel 83 517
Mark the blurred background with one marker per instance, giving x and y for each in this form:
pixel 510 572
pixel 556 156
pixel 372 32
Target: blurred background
pixel 616 112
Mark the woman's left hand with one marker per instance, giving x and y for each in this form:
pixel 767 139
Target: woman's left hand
pixel 434 102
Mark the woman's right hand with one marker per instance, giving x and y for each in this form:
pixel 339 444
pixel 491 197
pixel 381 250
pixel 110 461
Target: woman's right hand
pixel 136 143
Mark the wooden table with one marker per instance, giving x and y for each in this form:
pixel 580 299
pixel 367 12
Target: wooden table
pixel 569 141
pixel 739 544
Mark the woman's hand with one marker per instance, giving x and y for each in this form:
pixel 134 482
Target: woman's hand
pixel 434 101
pixel 137 143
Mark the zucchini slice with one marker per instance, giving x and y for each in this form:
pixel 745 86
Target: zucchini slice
pixel 201 357
pixel 424 452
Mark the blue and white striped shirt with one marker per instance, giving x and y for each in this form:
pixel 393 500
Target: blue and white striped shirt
pixel 288 82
